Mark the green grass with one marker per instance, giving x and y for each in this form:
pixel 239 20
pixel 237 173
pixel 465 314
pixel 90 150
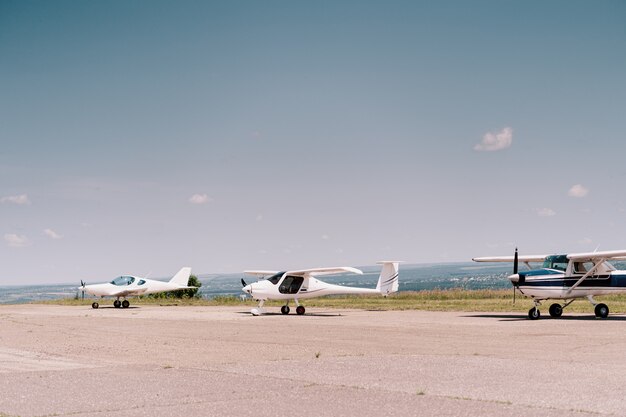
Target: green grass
pixel 435 300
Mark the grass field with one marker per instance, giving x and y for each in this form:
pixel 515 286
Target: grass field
pixel 435 300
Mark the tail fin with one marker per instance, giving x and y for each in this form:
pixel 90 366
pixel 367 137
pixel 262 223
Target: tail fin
pixel 182 277
pixel 388 279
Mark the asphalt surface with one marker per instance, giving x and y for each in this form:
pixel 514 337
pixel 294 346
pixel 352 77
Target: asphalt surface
pixel 201 361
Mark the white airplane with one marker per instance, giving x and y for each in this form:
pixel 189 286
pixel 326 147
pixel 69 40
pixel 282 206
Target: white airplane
pixel 295 285
pixel 566 277
pixel 128 285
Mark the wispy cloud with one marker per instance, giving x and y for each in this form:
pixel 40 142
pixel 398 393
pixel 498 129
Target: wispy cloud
pixel 545 212
pixel 21 200
pixel 199 199
pixel 496 141
pixel 16 241
pixel 578 191
pixel 52 234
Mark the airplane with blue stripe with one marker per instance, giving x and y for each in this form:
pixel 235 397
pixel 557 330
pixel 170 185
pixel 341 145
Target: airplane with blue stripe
pixel 566 277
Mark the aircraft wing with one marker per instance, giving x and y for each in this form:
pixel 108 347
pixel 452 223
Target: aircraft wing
pixel 325 271
pixel 611 254
pixel 126 292
pixel 261 273
pixel 520 258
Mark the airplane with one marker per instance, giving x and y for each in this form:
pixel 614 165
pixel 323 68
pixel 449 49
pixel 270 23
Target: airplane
pixel 128 285
pixel 566 277
pixel 300 284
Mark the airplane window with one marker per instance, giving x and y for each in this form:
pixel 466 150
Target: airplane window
pixel 124 280
pixel 556 262
pixel 276 277
pixel 141 282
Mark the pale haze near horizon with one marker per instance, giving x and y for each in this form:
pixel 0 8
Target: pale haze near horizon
pixel 140 137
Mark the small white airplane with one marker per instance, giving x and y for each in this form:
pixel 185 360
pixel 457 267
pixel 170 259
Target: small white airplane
pixel 295 285
pixel 128 285
pixel 566 277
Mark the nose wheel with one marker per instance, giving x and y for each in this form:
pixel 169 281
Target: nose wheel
pixel 300 310
pixel 95 305
pixel 284 309
pixel 534 313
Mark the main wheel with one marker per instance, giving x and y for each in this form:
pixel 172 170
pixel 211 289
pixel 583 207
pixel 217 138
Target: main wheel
pixel 534 313
pixel 602 311
pixel 125 304
pixel 95 305
pixel 284 309
pixel 117 303
pixel 300 310
pixel 556 310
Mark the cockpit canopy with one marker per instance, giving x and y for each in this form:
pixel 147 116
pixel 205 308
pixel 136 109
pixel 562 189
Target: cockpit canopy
pixel 123 280
pixel 276 277
pixel 556 262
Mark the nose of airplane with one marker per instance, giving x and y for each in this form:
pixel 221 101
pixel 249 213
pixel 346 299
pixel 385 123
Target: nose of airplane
pixel 514 278
pixel 247 289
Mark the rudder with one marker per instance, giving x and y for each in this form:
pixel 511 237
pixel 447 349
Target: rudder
pixel 182 277
pixel 388 279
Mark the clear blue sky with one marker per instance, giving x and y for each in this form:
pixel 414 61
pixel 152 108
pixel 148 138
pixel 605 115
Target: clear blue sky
pixel 142 136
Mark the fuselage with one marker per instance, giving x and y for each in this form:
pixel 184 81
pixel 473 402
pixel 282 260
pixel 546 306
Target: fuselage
pixel 128 285
pixel 559 275
pixel 288 287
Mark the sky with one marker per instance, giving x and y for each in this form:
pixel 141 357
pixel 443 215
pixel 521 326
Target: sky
pixel 137 137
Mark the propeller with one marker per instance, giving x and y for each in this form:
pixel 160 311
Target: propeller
pixel 243 283
pixel 82 284
pixel 515 265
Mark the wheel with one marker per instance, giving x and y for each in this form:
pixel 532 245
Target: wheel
pixel 125 304
pixel 95 305
pixel 300 310
pixel 117 303
pixel 534 313
pixel 556 310
pixel 602 311
pixel 284 309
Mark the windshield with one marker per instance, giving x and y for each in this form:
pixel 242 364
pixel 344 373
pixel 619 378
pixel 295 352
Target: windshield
pixel 123 280
pixel 276 277
pixel 556 262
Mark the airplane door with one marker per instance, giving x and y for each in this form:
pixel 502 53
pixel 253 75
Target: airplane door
pixel 290 285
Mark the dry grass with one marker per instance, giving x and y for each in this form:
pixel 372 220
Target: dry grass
pixel 434 300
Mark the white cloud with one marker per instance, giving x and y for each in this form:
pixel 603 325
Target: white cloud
pixel 545 212
pixel 16 241
pixel 21 199
pixel 52 234
pixel 325 237
pixel 496 141
pixel 578 191
pixel 199 199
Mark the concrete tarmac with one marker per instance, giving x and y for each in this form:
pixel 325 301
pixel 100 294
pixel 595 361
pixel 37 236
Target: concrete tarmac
pixel 221 361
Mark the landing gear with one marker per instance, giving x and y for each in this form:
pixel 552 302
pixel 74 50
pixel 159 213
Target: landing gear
pixel 125 304
pixel 284 309
pixel 95 305
pixel 117 303
pixel 258 310
pixel 602 311
pixel 556 310
pixel 300 310
pixel 534 313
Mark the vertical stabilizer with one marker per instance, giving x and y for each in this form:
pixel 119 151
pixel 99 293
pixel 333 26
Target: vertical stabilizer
pixel 182 277
pixel 388 279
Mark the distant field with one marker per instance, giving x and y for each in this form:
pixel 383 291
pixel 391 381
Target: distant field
pixel 434 300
